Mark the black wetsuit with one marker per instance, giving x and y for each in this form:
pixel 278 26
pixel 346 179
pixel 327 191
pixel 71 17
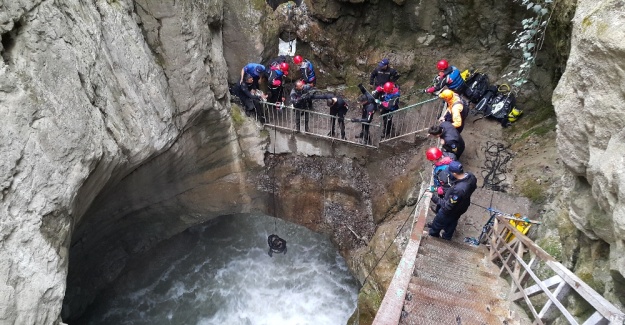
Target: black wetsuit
pixel 338 110
pixel 453 141
pixel 276 245
pixel 381 76
pixel 251 101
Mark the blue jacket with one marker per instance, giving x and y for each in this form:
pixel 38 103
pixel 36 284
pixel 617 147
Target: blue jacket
pixel 454 79
pixel 254 69
pixel 308 71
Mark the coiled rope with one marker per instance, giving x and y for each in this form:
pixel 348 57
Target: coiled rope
pixel 495 166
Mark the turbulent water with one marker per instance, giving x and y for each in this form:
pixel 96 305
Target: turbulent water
pixel 220 273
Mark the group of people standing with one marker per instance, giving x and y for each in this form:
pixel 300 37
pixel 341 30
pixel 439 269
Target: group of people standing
pixel 383 97
pixel 453 186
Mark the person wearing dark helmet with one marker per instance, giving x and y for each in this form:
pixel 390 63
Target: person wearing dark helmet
pixel 276 245
pixel 383 74
pixel 275 82
pixel 454 203
pixel 448 76
pixel 457 110
pixel 450 139
pixel 369 107
pixel 338 109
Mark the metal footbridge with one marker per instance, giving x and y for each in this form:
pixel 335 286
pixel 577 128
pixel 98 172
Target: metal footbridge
pixel 405 122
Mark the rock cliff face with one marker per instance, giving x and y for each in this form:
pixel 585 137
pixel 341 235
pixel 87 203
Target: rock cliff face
pixel 87 97
pixel 591 135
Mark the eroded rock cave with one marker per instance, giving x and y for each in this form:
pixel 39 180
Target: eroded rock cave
pixel 119 132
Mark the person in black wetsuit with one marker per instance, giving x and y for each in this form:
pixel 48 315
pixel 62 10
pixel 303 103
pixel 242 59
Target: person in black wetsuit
pixel 369 107
pixel 276 245
pixel 338 109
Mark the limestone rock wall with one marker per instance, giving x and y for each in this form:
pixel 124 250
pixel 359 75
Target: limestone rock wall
pixel 591 129
pixel 89 92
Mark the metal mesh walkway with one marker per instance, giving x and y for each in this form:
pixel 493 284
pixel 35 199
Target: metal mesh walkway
pixel 404 122
pixel 454 283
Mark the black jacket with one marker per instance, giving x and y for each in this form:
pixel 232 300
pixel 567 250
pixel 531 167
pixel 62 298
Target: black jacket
pixel 246 90
pixel 299 98
pixel 381 76
pixel 339 108
pixel 453 141
pixel 458 198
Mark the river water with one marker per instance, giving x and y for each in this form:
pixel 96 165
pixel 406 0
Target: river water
pixel 220 273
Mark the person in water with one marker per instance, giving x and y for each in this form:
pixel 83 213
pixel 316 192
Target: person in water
pixel 276 245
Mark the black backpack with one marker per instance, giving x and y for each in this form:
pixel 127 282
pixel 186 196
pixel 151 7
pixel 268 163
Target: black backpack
pixel 476 87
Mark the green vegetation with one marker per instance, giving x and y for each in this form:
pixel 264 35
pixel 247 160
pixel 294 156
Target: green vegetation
pixel 539 121
pixel 237 117
pixel 590 280
pixel 532 190
pixel 552 246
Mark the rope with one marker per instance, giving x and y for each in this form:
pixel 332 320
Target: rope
pixel 396 235
pixel 494 171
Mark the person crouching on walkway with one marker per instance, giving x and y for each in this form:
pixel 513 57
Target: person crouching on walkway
pixel 250 96
pixel 338 109
pixel 456 201
pixel 450 138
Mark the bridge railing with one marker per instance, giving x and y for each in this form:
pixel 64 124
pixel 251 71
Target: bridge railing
pixel 412 119
pixel 520 257
pixel 406 121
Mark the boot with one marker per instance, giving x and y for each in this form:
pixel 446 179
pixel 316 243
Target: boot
pixel 331 133
pixel 343 136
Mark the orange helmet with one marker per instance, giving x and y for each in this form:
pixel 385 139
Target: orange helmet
pixel 388 87
pixel 433 154
pixel 442 64
pixel 284 67
pixel 297 59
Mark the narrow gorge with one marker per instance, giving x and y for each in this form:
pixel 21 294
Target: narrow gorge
pixel 119 137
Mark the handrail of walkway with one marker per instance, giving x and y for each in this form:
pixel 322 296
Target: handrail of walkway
pixel 392 304
pixel 404 122
pixel 510 254
pixel 409 120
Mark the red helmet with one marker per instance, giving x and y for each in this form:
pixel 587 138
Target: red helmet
pixel 297 59
pixel 284 67
pixel 433 154
pixel 442 64
pixel 388 87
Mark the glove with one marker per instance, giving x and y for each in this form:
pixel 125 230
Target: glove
pixel 377 101
pixel 385 104
pixel 354 120
pixel 432 189
pixel 440 191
